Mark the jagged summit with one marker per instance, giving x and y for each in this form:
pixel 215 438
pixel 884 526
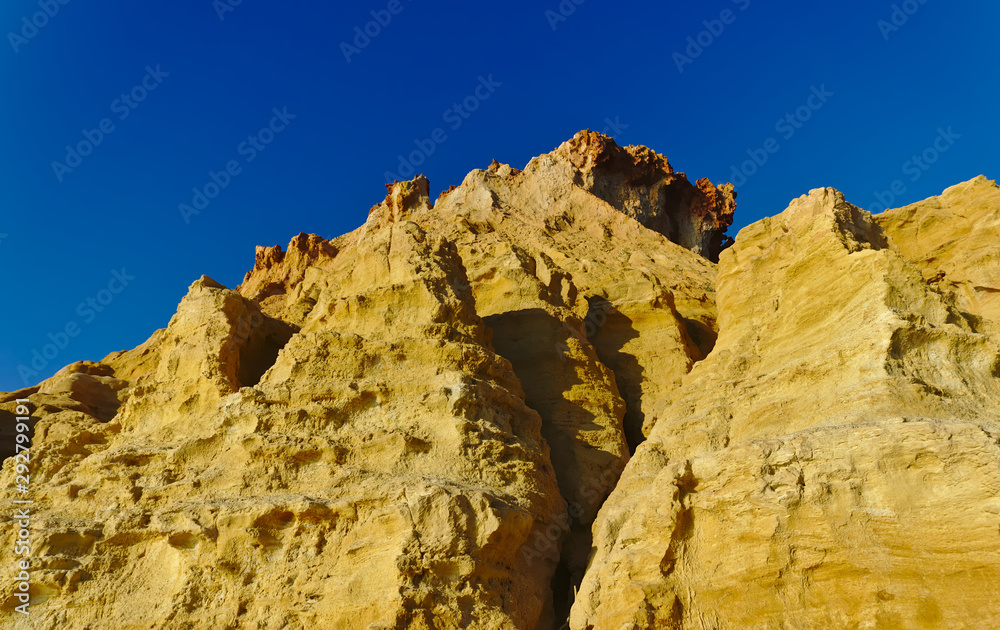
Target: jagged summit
pixel 539 400
pixel 641 183
pixel 635 180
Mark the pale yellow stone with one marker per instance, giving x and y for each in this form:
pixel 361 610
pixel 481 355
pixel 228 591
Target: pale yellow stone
pixel 599 315
pixel 418 424
pixel 779 487
pixel 954 239
pixel 383 472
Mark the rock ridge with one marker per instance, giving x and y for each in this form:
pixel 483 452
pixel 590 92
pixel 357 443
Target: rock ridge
pixel 557 396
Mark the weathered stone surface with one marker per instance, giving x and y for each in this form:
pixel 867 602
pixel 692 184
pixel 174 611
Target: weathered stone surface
pixel 568 304
pixel 890 524
pixel 954 239
pixel 827 336
pixel 822 319
pixel 276 273
pixel 552 241
pixel 84 387
pixel 641 183
pixel 599 316
pixel 418 424
pixel 383 472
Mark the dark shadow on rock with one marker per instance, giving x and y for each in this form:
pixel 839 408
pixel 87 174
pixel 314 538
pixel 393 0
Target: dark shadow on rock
pixel 266 339
pixel 529 339
pixel 702 336
pixel 94 395
pixel 608 339
pixel 534 343
pixel 9 432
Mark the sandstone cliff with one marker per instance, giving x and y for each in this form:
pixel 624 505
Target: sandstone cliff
pixel 833 463
pixel 539 399
pixel 953 240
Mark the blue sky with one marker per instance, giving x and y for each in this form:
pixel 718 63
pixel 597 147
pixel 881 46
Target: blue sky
pixel 183 93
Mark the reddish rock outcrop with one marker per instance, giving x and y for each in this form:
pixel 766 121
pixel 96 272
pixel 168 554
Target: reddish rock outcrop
pixel 641 183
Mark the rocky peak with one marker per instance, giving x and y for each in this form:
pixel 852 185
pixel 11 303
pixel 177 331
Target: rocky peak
pixel 404 199
pixel 276 272
pixel 642 184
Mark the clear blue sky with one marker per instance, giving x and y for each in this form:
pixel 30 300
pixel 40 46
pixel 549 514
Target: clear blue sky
pixel 606 62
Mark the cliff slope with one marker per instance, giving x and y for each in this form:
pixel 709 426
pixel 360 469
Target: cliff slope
pixel 411 426
pixel 557 396
pixel 835 461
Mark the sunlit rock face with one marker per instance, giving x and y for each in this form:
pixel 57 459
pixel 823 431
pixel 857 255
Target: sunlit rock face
pixel 954 239
pixel 557 395
pixel 833 463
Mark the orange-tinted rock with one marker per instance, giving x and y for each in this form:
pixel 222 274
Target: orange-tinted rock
pixel 642 184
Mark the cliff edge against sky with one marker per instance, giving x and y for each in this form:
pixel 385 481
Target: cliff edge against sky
pixel 554 395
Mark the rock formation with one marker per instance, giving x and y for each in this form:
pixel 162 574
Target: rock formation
pixel 953 240
pixel 833 463
pixel 538 401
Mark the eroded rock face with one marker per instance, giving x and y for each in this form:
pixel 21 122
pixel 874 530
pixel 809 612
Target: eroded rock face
pixel 599 316
pixel 277 272
pixel 384 471
pixel 890 524
pixel 954 239
pixel 569 304
pixel 641 183
pixel 539 239
pixel 820 295
pixel 83 388
pixel 418 424
pixel 841 433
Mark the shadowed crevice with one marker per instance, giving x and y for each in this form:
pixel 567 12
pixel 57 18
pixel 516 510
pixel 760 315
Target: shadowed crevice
pixel 609 333
pixel 264 342
pixel 702 338
pixel 8 433
pixel 535 343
